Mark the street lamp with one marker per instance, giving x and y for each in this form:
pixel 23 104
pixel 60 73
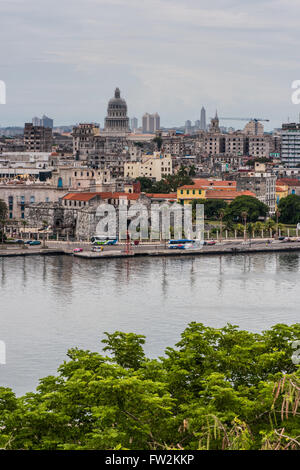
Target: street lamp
pixel 277 229
pixel 221 215
pixel 244 217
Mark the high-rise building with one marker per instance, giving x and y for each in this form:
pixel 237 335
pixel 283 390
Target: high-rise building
pixel 37 138
pixel 150 123
pixel 188 127
pixel 117 121
pixel 197 124
pixel 134 124
pixel 36 121
pixel 290 144
pixel 45 121
pixel 203 119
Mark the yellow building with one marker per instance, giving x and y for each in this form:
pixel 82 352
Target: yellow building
pixel 201 186
pixel 188 193
pixel 282 191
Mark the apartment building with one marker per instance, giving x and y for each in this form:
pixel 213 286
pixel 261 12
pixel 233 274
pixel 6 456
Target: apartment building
pixel 150 166
pixel 37 138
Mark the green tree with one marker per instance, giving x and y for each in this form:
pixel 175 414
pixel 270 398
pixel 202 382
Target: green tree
pixel 212 207
pixel 217 388
pixel 251 205
pixel 126 348
pixel 158 141
pixel 289 208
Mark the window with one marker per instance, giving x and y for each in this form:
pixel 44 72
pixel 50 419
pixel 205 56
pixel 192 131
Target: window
pixel 32 199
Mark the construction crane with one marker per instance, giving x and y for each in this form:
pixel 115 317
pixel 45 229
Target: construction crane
pixel 255 120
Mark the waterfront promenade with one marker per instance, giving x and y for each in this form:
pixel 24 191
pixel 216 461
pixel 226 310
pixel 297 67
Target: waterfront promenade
pixel 151 249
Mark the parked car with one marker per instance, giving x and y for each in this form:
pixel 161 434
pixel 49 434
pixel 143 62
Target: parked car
pixel 15 240
pixel 33 242
pixel 77 250
pixel 210 242
pixel 97 248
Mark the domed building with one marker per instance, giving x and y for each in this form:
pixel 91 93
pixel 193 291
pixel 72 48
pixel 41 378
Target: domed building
pixel 117 121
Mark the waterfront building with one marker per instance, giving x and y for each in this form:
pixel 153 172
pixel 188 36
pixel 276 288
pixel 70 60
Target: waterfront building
pixel 19 195
pixel 210 189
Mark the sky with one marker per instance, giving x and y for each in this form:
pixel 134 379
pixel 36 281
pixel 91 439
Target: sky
pixel 64 58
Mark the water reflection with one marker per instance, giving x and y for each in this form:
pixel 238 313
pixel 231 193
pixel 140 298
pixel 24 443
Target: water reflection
pixel 49 304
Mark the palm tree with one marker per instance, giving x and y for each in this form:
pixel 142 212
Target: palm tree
pixel 258 227
pixel 270 225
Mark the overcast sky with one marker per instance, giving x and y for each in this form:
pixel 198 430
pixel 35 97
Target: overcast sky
pixel 64 58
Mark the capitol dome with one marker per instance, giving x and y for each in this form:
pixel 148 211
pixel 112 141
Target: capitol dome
pixel 117 120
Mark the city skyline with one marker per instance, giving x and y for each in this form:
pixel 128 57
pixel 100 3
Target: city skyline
pixel 71 69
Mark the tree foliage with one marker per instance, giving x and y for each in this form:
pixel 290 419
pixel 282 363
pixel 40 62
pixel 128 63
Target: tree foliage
pixel 169 184
pixel 216 389
pixel 212 207
pixel 248 204
pixel 289 208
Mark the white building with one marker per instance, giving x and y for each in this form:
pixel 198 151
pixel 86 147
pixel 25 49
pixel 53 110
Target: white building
pixel 150 166
pixel 290 144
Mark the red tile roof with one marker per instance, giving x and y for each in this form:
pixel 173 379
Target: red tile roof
pixel 227 195
pixel 80 196
pixel 162 195
pixel 102 195
pixel 206 184
pixel 289 181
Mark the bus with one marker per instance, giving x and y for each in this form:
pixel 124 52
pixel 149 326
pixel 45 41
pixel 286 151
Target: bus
pixel 98 241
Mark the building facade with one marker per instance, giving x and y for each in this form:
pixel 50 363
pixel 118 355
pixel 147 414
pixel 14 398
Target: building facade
pixel 150 123
pixel 150 166
pixel 290 144
pixel 37 138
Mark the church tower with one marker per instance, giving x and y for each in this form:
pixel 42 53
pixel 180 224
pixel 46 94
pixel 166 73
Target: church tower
pixel 214 124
